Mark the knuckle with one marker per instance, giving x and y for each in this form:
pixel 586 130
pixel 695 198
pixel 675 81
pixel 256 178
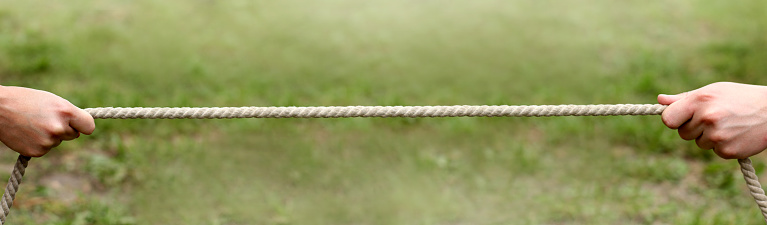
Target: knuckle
pixel 49 143
pixel 665 117
pixel 71 136
pixel 56 129
pixel 727 153
pixel 63 108
pixel 46 143
pixel 684 134
pixel 712 117
pixel 35 152
pixel 702 145
pixel 665 121
pixel 718 137
pixel 704 97
pixel 60 106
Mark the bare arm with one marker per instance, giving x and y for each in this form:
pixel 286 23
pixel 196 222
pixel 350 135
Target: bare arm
pixel 32 122
pixel 729 118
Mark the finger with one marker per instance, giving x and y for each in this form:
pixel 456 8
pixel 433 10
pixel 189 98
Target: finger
pixel 727 152
pixel 55 144
pixel 678 113
pixel 691 130
pixel 50 144
pixel 740 150
pixel 704 142
pixel 69 134
pixel 35 151
pixel 668 99
pixel 82 121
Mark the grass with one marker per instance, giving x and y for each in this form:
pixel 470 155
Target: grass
pixel 626 170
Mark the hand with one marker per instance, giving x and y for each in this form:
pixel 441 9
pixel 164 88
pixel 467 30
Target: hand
pixel 729 118
pixel 32 122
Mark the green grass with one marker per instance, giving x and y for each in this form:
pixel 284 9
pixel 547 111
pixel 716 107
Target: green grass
pixel 608 170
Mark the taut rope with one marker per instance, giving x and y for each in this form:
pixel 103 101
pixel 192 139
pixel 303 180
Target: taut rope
pixel 12 187
pixel 753 185
pixel 376 111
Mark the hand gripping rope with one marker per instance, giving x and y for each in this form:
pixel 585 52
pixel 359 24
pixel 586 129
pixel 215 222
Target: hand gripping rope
pixel 376 111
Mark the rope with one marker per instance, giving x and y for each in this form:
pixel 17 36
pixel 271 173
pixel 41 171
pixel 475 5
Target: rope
pixel 377 111
pixel 752 181
pixel 12 187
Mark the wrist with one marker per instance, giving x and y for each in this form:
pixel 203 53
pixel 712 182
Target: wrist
pixel 3 98
pixel 763 91
pixel 3 106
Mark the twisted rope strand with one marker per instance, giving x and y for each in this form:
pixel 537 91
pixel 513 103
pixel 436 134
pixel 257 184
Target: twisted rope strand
pixel 376 111
pixel 12 186
pixel 752 181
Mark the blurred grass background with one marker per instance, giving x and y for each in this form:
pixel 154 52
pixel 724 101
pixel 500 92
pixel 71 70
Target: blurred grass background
pixel 610 170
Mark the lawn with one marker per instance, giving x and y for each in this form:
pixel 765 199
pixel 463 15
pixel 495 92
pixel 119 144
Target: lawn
pixel 600 170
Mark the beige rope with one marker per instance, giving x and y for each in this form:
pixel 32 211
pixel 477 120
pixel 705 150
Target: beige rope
pixel 12 187
pixel 377 111
pixel 752 181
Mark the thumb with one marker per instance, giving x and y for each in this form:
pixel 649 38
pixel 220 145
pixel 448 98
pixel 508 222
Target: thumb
pixel 668 99
pixel 82 121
